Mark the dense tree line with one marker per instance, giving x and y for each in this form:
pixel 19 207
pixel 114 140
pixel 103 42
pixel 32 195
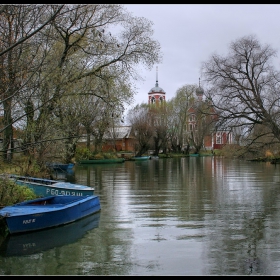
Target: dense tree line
pixel 68 70
pixel 243 88
pixel 65 70
pixel 163 127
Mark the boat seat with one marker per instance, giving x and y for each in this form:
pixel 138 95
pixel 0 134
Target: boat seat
pixel 48 205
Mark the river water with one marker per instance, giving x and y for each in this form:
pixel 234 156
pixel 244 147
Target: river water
pixel 175 216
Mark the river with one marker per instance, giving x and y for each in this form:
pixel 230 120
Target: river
pixel 174 216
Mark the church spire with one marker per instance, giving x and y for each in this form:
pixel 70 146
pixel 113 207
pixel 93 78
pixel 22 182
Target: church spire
pixel 156 95
pixel 199 91
pixel 156 76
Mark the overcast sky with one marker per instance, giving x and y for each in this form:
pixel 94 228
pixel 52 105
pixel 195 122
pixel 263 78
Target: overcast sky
pixel 190 33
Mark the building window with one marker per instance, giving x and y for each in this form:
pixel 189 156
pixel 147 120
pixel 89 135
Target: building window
pixel 229 138
pixel 153 99
pixel 192 118
pixel 192 127
pixel 219 139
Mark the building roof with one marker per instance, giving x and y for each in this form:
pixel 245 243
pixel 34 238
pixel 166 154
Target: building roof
pixel 156 89
pixel 118 132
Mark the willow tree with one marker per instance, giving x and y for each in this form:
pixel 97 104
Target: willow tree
pixel 82 44
pixel 18 23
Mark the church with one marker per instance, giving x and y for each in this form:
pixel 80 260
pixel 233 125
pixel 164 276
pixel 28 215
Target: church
pixel 123 140
pixel 216 139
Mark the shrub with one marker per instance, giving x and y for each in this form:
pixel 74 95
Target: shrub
pixel 82 153
pixel 11 193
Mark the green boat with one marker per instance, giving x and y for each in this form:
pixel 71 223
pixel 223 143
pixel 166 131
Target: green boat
pixel 141 158
pixel 101 161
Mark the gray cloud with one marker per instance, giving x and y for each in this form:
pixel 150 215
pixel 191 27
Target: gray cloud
pixel 190 33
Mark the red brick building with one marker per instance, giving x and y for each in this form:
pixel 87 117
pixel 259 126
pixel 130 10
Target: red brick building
pixel 119 139
pixel 122 139
pixel 214 138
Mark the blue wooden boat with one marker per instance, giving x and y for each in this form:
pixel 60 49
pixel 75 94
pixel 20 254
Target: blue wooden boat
pixel 141 158
pixel 60 166
pixel 46 187
pixel 48 212
pixel 38 241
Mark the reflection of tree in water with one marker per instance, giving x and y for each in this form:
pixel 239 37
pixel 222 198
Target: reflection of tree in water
pixel 237 227
pixel 234 244
pixel 254 231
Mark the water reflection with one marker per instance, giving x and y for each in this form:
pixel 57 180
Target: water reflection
pixel 203 201
pixel 64 175
pixel 39 241
pixel 180 216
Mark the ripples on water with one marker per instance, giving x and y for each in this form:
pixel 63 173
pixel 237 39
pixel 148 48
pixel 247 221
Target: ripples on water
pixel 181 216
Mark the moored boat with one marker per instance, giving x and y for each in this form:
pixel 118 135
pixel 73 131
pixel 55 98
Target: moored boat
pixel 46 187
pixel 101 161
pixel 48 212
pixel 141 158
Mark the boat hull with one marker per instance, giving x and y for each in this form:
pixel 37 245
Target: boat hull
pixel 193 155
pixel 46 187
pixel 141 158
pixel 31 215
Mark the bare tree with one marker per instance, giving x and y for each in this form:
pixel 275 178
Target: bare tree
pixel 244 87
pixel 38 11
pixel 158 119
pixel 181 103
pixel 140 120
pixel 205 123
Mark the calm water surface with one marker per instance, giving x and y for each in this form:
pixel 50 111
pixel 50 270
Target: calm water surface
pixel 180 216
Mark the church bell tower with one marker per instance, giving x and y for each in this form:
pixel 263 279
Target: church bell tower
pixel 156 95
